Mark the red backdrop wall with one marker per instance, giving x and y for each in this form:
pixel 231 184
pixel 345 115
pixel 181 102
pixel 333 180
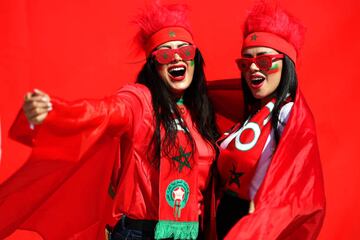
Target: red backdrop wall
pixel 79 48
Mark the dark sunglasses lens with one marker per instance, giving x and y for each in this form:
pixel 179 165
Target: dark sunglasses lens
pixel 163 56
pixel 243 64
pixel 187 53
pixel 264 62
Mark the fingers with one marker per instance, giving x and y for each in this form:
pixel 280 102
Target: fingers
pixel 37 92
pixel 32 97
pixel 252 207
pixel 39 118
pixel 32 111
pixel 36 106
pixel 37 95
pixel 36 103
pixel 27 96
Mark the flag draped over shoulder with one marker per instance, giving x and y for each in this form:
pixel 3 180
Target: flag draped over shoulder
pixel 290 203
pixel 62 190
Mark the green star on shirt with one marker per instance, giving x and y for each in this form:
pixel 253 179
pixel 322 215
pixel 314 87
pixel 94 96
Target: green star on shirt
pixel 182 159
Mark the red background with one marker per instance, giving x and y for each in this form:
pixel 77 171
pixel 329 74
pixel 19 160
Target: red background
pixel 79 48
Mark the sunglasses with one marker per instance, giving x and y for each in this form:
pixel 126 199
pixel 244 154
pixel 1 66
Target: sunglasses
pixel 167 55
pixel 263 62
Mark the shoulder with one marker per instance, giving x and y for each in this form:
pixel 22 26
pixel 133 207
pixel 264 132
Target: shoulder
pixel 135 91
pixel 300 117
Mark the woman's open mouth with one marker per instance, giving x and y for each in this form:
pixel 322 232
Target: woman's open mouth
pixel 177 73
pixel 256 81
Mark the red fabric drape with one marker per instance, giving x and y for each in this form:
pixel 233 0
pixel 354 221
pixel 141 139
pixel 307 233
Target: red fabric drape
pixel 78 49
pixel 62 190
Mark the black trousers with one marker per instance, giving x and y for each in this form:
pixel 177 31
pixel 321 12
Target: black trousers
pixel 230 210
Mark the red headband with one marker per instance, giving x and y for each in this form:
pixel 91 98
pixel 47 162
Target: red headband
pixel 165 35
pixel 266 39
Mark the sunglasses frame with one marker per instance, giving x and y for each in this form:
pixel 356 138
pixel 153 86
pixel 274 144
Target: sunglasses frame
pixel 172 51
pixel 248 61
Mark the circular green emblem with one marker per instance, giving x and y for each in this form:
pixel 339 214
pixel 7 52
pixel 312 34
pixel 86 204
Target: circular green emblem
pixel 177 193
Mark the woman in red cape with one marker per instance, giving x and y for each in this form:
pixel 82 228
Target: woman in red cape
pixel 140 158
pixel 269 164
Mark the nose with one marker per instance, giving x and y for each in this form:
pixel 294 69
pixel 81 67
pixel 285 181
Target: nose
pixel 254 67
pixel 177 57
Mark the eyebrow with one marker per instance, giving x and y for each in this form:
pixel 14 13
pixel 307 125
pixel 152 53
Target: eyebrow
pixel 248 55
pixel 183 44
pixel 178 46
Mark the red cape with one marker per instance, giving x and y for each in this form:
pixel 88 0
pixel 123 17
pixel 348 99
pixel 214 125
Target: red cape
pixel 290 203
pixel 62 190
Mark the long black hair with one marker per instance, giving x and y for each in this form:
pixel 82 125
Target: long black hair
pixel 165 109
pixel 287 88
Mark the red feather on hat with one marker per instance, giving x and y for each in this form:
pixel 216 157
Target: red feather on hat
pixel 268 16
pixel 157 16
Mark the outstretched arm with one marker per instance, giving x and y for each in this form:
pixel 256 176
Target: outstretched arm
pixel 116 113
pixel 71 164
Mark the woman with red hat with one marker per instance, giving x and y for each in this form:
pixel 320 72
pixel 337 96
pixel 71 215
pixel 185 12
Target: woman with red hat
pixel 269 164
pixel 164 127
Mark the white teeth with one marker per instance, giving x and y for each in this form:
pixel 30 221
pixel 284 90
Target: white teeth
pixel 176 69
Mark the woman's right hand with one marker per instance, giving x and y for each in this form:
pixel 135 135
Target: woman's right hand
pixel 36 106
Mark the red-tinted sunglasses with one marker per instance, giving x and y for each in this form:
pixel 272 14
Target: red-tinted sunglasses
pixel 167 55
pixel 263 62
